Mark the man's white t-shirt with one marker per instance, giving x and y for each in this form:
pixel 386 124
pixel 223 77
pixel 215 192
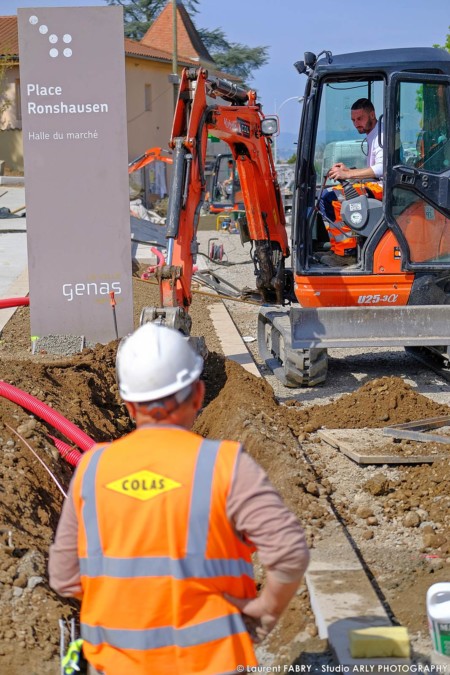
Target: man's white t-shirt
pixel 375 152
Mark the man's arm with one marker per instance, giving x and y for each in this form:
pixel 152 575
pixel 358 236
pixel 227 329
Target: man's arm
pixel 63 563
pixel 341 172
pixel 259 515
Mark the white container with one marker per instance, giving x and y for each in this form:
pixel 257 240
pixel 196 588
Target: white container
pixel 438 610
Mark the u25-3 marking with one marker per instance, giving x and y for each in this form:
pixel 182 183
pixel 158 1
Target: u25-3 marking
pixel 376 299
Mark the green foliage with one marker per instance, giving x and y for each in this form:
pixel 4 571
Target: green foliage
pixel 241 60
pixel 231 57
pixel 447 43
pixel 292 159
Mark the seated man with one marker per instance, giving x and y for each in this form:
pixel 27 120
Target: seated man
pixel 343 243
pixel 228 181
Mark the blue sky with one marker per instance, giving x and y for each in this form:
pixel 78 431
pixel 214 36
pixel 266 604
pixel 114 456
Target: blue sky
pixel 291 27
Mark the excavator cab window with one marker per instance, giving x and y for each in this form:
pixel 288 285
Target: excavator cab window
pixel 226 187
pixel 420 205
pixel 331 242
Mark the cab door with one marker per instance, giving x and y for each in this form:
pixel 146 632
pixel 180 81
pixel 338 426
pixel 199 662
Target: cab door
pixel 418 169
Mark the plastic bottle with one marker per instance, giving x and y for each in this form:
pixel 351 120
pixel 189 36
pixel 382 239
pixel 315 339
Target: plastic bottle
pixel 438 610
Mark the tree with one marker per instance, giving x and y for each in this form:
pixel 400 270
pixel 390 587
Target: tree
pixel 447 43
pixel 232 57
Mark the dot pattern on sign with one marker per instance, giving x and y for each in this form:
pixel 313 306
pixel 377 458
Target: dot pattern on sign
pixel 53 38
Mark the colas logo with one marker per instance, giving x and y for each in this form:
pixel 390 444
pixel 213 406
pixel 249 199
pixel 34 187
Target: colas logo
pixel 143 485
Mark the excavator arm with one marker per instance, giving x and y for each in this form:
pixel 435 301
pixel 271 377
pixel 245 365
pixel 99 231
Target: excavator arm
pixel 247 132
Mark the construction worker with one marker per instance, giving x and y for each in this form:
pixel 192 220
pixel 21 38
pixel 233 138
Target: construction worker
pixel 157 532
pixel 343 243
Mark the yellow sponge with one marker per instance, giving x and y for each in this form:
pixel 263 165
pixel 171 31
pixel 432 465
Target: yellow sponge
pixel 379 642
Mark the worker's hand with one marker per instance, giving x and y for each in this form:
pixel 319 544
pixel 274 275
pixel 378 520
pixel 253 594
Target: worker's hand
pixel 257 618
pixel 339 171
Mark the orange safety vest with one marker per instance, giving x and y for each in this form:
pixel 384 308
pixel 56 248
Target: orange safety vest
pixel 157 554
pixel 341 243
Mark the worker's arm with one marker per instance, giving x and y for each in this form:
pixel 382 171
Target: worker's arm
pixel 259 515
pixel 63 563
pixel 341 172
pixel 270 604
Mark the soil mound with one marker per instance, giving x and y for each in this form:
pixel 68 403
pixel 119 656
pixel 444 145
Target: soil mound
pixel 247 411
pixel 378 403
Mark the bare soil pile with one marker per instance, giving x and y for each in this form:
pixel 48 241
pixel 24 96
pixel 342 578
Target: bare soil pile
pixel 378 403
pixel 238 406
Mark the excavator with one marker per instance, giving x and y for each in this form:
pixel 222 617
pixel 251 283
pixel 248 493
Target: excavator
pixel 397 293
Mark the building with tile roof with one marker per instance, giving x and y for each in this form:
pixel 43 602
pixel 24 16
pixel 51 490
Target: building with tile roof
pixel 148 67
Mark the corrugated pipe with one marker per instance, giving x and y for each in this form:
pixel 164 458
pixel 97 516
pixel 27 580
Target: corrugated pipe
pixel 14 302
pixel 46 413
pixel 71 455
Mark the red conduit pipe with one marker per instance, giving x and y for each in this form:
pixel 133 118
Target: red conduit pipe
pixel 46 413
pixel 159 256
pixel 161 262
pixel 71 455
pixel 14 302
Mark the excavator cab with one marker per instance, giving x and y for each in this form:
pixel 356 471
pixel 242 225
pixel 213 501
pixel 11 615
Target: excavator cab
pixel 226 191
pixel 397 226
pixel 395 289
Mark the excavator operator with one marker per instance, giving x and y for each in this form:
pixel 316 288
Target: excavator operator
pixel 343 244
pixel 230 180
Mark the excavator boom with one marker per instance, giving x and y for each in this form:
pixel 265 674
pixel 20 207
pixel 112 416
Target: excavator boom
pixel 241 124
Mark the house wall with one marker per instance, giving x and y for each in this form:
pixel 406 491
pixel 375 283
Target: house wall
pixel 148 128
pixel 11 147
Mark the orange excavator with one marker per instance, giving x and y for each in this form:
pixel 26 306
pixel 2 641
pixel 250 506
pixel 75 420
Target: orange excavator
pixel 397 291
pixel 149 156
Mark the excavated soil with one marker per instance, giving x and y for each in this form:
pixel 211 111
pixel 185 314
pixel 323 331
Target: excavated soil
pixel 400 520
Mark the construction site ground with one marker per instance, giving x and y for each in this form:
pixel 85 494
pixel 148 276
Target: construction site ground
pixel 396 516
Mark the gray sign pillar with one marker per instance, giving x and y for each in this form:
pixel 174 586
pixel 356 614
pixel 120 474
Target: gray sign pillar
pixel 72 75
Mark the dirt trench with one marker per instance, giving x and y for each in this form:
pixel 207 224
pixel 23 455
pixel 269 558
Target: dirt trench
pixel 238 406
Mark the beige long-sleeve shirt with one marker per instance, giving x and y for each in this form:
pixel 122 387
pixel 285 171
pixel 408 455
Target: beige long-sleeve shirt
pixel 253 506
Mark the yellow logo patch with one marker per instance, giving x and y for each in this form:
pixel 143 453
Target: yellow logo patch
pixel 143 485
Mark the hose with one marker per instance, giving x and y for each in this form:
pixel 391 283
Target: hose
pixel 14 302
pixel 46 413
pixel 71 455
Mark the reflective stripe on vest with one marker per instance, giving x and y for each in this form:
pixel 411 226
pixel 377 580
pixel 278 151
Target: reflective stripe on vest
pixel 154 638
pixel 193 565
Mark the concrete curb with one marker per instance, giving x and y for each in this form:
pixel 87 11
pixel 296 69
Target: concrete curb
pixel 230 339
pixel 343 599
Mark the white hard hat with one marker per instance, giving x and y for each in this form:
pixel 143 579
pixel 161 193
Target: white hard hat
pixel 155 362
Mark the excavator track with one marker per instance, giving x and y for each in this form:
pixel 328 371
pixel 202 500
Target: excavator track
pixel 294 368
pixel 438 363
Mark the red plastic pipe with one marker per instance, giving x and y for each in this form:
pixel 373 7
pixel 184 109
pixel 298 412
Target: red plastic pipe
pixel 71 455
pixel 14 302
pixel 46 413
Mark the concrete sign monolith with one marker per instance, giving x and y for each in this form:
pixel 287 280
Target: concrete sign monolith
pixel 72 75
